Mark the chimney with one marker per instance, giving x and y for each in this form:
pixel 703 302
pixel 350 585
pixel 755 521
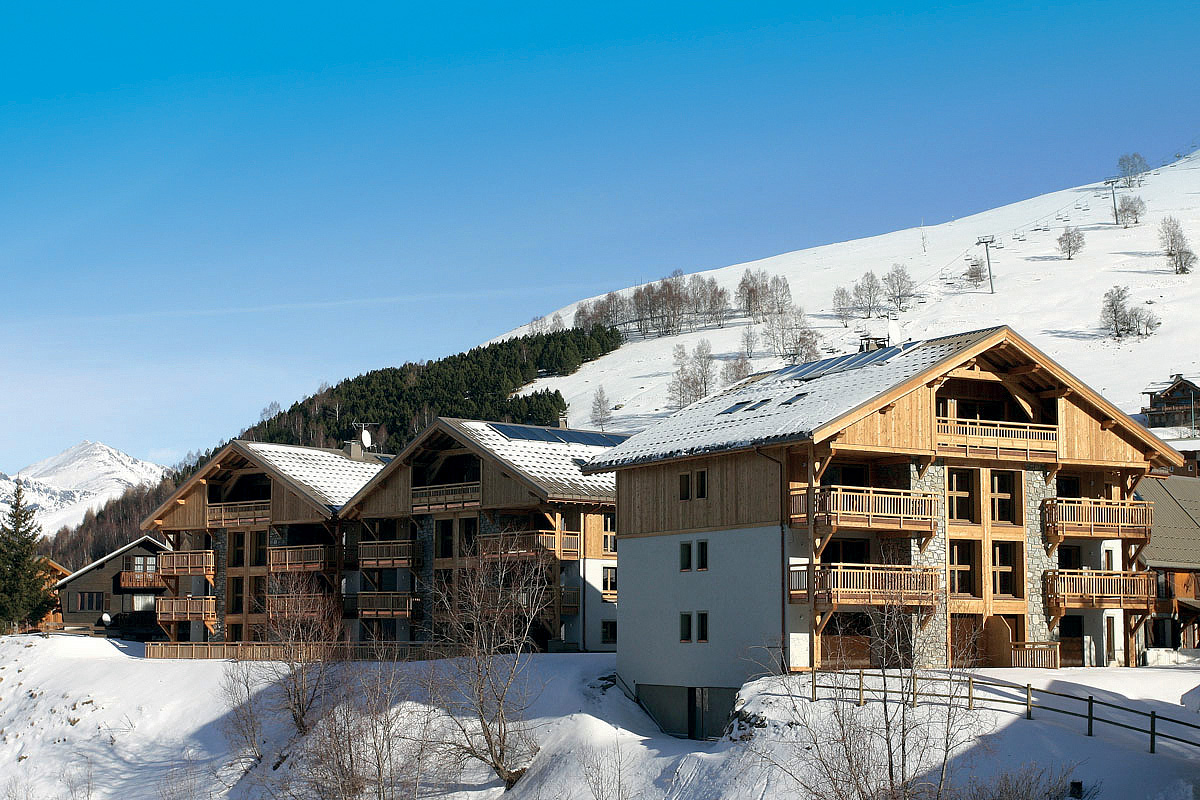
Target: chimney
pixel 562 421
pixel 354 449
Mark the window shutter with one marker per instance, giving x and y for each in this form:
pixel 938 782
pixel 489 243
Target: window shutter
pixel 107 601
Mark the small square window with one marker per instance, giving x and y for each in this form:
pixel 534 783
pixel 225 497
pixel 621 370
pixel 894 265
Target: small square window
pixel 701 484
pixel 608 631
pixel 685 627
pixel 685 556
pixel 685 486
pixel 701 626
pixel 702 555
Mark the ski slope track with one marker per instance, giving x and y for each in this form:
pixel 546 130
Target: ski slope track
pixel 1052 301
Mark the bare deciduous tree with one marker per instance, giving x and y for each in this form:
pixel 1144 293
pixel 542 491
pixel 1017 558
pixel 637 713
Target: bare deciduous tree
pixel 868 295
pixel 1121 319
pixel 1070 242
pixel 976 271
pixel 1131 166
pixel 1170 235
pixel 695 374
pixel 735 370
pixel 601 410
pixel 843 305
pixel 242 725
pixel 800 341
pixel 1130 210
pixel 752 292
pixel 749 341
pixel 899 286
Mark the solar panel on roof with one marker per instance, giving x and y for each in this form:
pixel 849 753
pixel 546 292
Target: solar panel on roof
pixel 529 433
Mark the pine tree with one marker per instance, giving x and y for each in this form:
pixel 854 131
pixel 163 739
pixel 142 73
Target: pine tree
pixel 25 594
pixel 601 413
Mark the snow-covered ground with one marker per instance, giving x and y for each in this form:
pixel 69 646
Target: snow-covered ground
pixel 68 702
pixel 64 487
pixel 1052 301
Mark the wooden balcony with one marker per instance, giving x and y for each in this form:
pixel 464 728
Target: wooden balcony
pixel 300 605
pixel 301 558
pixel 568 599
pixel 187 562
pixel 1100 519
pixel 1095 588
pixel 1001 440
pixel 1034 655
pixel 239 515
pixel 446 496
pixel 563 545
pixel 135 579
pixel 866 584
pixel 868 508
pixel 187 609
pixel 387 554
pixel 381 605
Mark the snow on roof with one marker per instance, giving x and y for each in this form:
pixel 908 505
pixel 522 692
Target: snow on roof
pixel 785 405
pixel 1161 386
pixel 550 457
pixel 330 476
pixel 99 561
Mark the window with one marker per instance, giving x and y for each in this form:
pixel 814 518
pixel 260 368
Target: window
pixel 237 594
pixel 258 594
pixel 701 481
pixel 468 527
pixel 89 601
pixel 685 556
pixel 702 554
pixel 235 633
pixel 610 543
pixel 962 567
pixel 685 627
pixel 610 521
pixel 145 563
pixel 608 631
pixel 701 626
pixel 1004 497
pixel 143 602
pixel 1004 569
pixel 610 579
pixel 237 549
pixel 693 485
pixel 848 551
pixel 444 538
pixel 738 406
pixel 1069 556
pixel 259 557
pixel 960 495
pixel 685 486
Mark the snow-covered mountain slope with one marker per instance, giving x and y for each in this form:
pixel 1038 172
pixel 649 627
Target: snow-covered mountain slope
pixel 1053 301
pixel 75 706
pixel 63 487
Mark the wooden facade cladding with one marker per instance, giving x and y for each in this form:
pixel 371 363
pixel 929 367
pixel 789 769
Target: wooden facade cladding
pixel 392 496
pixel 904 424
pixel 1086 436
pixel 743 490
pixel 289 508
pixel 187 513
pixel 500 490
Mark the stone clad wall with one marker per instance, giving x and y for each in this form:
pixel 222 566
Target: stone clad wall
pixel 220 546
pixel 1037 623
pixel 929 642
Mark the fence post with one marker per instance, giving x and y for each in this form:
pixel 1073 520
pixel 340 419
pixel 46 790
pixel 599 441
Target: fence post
pixel 1029 701
pixel 914 690
pixel 814 684
pixel 861 701
pixel 971 691
pixel 1090 717
pixel 1153 719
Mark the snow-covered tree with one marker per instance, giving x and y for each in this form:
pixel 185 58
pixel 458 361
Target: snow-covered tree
pixel 601 412
pixel 1070 242
pixel 1170 235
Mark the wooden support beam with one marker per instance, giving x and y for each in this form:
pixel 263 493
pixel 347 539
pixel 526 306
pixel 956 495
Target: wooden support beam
pixel 923 465
pixel 1052 473
pixel 1025 369
pixel 1054 393
pixel 1107 424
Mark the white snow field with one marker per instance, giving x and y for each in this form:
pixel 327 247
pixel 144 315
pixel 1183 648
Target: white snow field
pixel 68 702
pixel 1052 301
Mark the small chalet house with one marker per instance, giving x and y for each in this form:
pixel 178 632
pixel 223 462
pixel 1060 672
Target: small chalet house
pixel 968 483
pixel 466 489
pixel 255 514
pixel 1172 403
pixel 1174 555
pixel 115 595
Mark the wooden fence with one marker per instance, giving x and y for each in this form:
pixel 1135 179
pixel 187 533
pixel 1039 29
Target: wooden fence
pixel 308 651
pixel 978 693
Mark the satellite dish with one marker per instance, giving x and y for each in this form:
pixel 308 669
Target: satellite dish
pixel 366 438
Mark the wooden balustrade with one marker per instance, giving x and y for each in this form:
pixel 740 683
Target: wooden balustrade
pixel 977 437
pixel 238 515
pixel 561 544
pixel 568 599
pixel 867 584
pixel 187 562
pixel 300 558
pixel 386 554
pixel 301 605
pixel 1105 519
pixel 186 609
pixel 1095 588
pixel 1035 655
pixel 446 495
pixel 135 579
pixel 868 507
pixel 385 604
pixel 277 651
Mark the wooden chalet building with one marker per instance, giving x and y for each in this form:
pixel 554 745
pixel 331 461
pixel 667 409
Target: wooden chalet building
pixel 465 490
pixel 115 595
pixel 968 483
pixel 1174 555
pixel 249 521
pixel 1172 403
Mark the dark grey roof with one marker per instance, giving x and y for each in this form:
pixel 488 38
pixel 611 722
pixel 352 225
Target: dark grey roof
pixel 1175 538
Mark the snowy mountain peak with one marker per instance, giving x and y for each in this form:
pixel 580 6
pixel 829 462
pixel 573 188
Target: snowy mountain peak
pixel 64 487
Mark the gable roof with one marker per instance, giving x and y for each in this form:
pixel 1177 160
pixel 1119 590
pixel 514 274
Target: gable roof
pixel 1160 387
pixel 1175 537
pixel 813 401
pixel 147 541
pixel 548 460
pixel 324 477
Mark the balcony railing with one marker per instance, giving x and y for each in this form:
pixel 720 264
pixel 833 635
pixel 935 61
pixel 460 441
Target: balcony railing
pixel 986 437
pixel 446 495
pixel 385 604
pixel 300 558
pixel 187 562
pixel 1035 655
pixel 1107 519
pixel 239 515
pixel 300 605
pixel 186 609
pixel 561 544
pixel 568 599
pixel 301 651
pixel 865 507
pixel 135 579
pixel 1094 588
pixel 867 584
pixel 386 554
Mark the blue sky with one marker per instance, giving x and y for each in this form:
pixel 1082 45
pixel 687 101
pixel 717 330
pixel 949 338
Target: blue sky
pixel 207 208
